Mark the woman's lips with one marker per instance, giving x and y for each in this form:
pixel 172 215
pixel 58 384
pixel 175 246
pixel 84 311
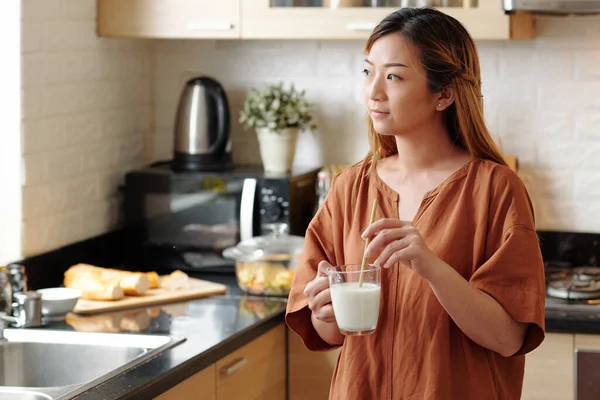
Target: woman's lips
pixel 379 114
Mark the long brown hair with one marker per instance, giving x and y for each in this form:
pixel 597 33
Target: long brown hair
pixel 449 56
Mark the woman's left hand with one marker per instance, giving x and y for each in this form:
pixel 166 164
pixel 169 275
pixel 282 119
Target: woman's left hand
pixel 393 241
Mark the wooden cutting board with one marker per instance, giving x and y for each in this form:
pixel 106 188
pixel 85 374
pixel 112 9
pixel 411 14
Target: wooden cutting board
pixel 197 288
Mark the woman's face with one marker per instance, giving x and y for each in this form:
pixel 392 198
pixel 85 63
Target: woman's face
pixel 395 87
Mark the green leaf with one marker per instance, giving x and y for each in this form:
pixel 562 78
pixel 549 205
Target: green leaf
pixel 276 107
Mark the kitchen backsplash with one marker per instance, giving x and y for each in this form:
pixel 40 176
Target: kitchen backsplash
pixel 541 102
pixel 95 108
pixel 86 109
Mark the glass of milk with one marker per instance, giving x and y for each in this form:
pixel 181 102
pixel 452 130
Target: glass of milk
pixel 356 308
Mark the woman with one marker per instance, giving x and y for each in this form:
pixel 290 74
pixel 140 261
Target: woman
pixel 462 279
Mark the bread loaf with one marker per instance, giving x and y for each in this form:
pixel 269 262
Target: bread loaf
pixel 154 280
pixel 95 289
pixel 99 283
pixel 174 281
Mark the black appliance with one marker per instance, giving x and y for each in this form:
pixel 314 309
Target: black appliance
pixel 184 220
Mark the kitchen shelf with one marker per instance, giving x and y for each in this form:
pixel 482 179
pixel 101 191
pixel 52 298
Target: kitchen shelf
pixel 487 21
pixel 169 19
pixel 257 19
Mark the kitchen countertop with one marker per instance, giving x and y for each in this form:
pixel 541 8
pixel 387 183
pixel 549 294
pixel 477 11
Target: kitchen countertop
pixel 213 327
pixel 217 325
pixel 572 322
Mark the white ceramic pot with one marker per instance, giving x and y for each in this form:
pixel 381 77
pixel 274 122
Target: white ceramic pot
pixel 277 148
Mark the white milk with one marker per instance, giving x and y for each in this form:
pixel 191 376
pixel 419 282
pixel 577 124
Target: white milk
pixel 355 308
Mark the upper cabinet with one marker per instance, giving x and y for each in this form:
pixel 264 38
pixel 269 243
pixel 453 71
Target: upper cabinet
pixel 171 19
pixel 350 19
pixel 289 19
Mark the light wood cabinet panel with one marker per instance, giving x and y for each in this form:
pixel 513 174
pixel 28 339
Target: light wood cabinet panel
pixel 309 372
pixel 587 342
pixel 261 21
pixel 169 18
pixel 549 369
pixel 256 371
pixel 201 386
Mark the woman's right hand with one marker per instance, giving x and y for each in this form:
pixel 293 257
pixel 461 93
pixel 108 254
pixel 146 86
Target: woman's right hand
pixel 319 296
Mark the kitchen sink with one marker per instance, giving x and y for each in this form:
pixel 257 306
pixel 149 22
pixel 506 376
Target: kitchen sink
pixel 38 364
pixel 10 394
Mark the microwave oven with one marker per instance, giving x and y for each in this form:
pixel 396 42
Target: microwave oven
pixel 184 220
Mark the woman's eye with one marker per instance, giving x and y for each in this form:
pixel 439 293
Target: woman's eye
pixel 366 72
pixel 394 77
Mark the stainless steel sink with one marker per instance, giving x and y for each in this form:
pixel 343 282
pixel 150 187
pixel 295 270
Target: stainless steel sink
pixel 10 394
pixel 41 364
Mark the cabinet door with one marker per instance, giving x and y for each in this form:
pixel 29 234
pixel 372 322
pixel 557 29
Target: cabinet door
pixel 587 359
pixel 549 369
pixel 486 20
pixel 200 386
pixel 310 373
pixel 255 371
pixel 169 18
pixel 587 342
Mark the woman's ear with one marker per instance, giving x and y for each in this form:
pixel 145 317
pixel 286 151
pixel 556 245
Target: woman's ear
pixel 444 99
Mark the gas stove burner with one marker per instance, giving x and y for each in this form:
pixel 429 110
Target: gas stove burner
pixel 586 274
pixel 581 283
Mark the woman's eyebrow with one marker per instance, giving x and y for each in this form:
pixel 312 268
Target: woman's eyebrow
pixel 388 64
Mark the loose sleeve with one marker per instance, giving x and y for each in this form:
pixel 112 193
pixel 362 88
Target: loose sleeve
pixel 318 246
pixel 513 273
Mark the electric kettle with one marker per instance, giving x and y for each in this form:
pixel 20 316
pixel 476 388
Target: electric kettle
pixel 202 137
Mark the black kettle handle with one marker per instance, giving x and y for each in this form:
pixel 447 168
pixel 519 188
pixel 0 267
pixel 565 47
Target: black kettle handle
pixel 222 104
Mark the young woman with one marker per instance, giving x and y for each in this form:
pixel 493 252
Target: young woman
pixel 462 278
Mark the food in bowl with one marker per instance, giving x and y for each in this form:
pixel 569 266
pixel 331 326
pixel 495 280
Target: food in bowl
pixel 265 265
pixel 259 277
pixel 58 301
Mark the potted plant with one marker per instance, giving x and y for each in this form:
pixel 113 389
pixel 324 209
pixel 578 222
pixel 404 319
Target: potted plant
pixel 277 115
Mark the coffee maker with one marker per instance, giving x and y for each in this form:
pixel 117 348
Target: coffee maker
pixel 202 127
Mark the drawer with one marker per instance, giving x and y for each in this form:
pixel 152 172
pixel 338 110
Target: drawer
pixel 256 371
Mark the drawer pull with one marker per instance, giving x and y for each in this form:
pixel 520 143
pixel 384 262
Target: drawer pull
pixel 233 367
pixel 366 26
pixel 208 27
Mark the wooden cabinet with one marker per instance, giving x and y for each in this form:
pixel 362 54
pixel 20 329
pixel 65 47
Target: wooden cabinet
pixel 256 371
pixel 200 386
pixel 169 19
pixel 257 19
pixel 549 369
pixel 587 342
pixel 309 373
pixel 261 21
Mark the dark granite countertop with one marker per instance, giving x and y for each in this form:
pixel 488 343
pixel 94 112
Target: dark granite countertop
pixel 217 325
pixel 572 322
pixel 213 327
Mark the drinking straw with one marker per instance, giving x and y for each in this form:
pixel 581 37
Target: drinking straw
pixel 364 259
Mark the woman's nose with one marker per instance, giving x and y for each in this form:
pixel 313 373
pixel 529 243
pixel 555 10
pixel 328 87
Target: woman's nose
pixel 376 90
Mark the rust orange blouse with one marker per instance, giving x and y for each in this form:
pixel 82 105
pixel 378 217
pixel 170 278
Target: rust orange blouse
pixel 480 221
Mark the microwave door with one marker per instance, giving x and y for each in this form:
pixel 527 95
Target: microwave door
pixel 248 209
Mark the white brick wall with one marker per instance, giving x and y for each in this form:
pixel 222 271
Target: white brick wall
pixel 10 146
pixel 86 112
pixel 95 108
pixel 541 102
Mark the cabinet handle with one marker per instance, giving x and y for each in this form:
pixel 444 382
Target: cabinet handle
pixel 366 26
pixel 201 26
pixel 233 367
